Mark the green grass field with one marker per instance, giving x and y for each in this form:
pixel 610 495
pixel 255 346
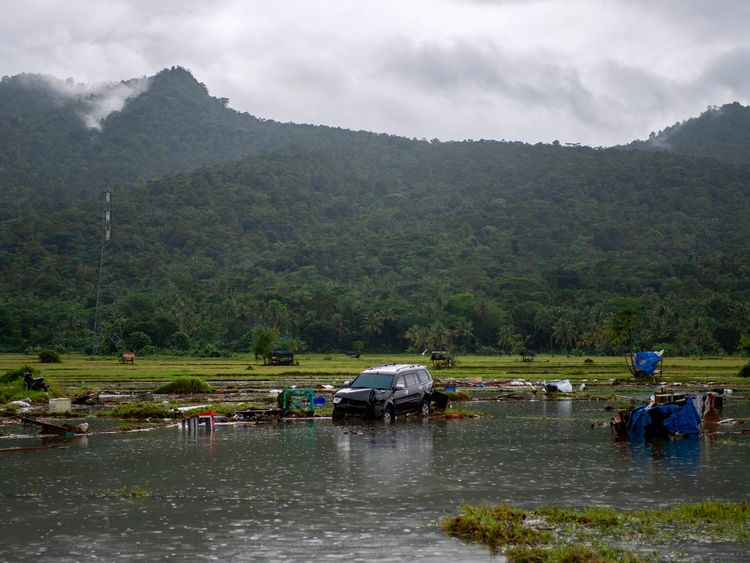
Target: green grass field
pixel 147 373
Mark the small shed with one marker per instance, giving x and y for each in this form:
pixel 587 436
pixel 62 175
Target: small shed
pixel 127 358
pixel 281 358
pixel 441 359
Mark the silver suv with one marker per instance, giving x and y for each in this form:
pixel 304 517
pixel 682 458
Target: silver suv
pixel 386 391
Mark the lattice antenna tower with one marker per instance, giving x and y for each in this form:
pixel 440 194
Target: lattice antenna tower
pixel 107 321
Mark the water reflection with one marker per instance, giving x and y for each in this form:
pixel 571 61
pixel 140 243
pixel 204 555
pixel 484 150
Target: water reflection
pixel 313 489
pixel 676 456
pixel 562 408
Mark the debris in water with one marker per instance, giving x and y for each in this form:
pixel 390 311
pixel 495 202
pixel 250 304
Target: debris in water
pixel 56 428
pixel 562 386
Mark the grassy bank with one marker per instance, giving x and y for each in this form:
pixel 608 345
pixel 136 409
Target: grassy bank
pixel 81 370
pixel 600 534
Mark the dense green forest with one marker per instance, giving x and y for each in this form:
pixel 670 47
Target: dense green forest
pixel 722 133
pixel 227 227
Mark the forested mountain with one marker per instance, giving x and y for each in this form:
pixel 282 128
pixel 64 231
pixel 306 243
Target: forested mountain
pixel 51 139
pixel 340 240
pixel 722 133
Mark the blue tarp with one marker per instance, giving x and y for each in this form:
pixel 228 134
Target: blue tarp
pixel 661 419
pixel 645 363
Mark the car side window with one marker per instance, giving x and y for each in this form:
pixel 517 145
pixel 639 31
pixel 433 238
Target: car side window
pixel 399 381
pixel 423 377
pixel 411 379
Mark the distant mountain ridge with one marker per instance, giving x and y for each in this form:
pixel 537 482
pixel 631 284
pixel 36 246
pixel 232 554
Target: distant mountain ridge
pixel 224 222
pixel 722 133
pixel 172 125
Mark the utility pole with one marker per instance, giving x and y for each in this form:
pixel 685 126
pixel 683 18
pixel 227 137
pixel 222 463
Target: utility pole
pixel 107 322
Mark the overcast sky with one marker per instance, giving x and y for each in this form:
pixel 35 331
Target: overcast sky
pixel 596 72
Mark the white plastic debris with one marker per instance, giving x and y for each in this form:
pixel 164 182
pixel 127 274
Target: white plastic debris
pixel 23 403
pixel 563 386
pixel 190 408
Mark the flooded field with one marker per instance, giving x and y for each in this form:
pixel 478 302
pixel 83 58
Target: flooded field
pixel 317 490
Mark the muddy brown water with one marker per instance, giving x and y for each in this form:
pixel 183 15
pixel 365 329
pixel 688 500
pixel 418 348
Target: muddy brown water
pixel 307 490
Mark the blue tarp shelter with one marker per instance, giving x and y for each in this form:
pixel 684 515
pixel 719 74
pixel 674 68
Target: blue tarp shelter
pixel 663 420
pixel 646 364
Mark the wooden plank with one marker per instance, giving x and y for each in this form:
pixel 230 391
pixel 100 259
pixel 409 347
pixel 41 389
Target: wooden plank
pixel 48 426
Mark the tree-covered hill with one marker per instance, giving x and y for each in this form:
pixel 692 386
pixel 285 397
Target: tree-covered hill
pixel 338 240
pixel 722 133
pixel 52 141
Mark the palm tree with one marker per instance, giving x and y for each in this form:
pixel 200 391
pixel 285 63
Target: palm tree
pixel 388 318
pixel 339 325
pixel 438 336
pixel 622 327
pixel 417 335
pixel 563 333
pixel 509 340
pixel 463 328
pixel 277 314
pixel 593 336
pixel 371 324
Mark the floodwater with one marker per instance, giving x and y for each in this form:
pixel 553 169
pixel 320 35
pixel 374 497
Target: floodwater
pixel 310 490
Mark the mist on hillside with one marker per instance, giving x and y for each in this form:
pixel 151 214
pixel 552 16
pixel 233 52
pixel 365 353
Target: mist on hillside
pixel 93 102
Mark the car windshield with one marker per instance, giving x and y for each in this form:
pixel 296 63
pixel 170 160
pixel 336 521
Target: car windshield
pixel 373 380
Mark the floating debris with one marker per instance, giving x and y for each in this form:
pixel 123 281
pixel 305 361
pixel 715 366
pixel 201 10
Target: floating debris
pixel 562 386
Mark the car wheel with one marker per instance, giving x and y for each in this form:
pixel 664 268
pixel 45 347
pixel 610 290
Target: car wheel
pixel 424 408
pixel 337 414
pixel 388 415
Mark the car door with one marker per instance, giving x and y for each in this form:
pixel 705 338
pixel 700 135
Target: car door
pixel 425 382
pixel 400 395
pixel 413 391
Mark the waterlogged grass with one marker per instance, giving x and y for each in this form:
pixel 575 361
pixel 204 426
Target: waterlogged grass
pixel 599 534
pixel 78 371
pixel 185 386
pixel 140 411
pixel 134 492
pixel 496 526
pixel 457 414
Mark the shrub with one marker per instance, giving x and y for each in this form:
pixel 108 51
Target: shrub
pixel 12 388
pixel 185 385
pixel 140 410
pixel 744 371
pixel 49 357
pixel 149 350
pixel 181 341
pixel 208 351
pixel 138 340
pixel 457 396
pixel 263 342
pixel 15 374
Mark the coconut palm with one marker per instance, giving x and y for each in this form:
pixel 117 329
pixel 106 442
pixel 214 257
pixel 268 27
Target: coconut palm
pixel 388 318
pixel 509 340
pixel 371 324
pixel 563 332
pixel 417 335
pixel 439 336
pixel 463 328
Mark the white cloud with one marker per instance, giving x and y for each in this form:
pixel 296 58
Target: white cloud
pixel 93 102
